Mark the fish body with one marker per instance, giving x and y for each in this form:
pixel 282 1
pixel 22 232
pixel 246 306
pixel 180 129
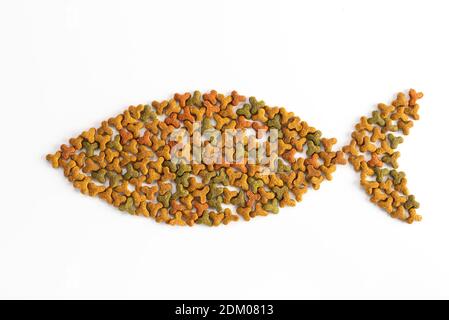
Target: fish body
pixel 213 159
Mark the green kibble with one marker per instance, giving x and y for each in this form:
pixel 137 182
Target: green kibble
pixel 315 137
pixel 411 203
pixel 171 165
pixel 114 179
pixel 222 178
pixel 272 206
pixel 216 203
pixel 183 168
pixel 244 111
pixel 255 184
pixel 180 192
pixel 183 180
pixel 397 176
pixel 239 200
pixel 195 99
pixel 275 122
pixel 214 191
pixel 381 174
pixel 279 191
pixel 394 141
pixel 255 105
pixel 148 114
pixel 130 172
pixel 206 125
pixel 312 148
pixel 115 144
pixel 165 199
pixel 99 175
pixel 128 206
pixel 204 219
pixel 376 119
pixel 283 167
pixel 90 148
pixel 391 160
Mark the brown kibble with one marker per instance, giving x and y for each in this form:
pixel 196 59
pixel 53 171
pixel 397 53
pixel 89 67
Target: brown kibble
pixel 414 96
pixel 363 125
pixel 77 143
pixel 125 136
pixel 67 151
pixel 54 159
pixel 244 212
pixel 375 161
pixel 339 158
pixel 89 135
pixel 182 98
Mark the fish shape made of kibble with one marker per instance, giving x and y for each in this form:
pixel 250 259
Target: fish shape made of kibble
pixel 127 161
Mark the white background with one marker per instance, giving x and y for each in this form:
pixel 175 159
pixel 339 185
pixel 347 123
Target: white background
pixel 67 65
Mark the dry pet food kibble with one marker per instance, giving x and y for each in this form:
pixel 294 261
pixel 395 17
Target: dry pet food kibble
pixel 373 152
pixel 212 158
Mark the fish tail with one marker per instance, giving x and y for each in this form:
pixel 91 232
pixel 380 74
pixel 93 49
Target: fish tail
pixel 373 151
